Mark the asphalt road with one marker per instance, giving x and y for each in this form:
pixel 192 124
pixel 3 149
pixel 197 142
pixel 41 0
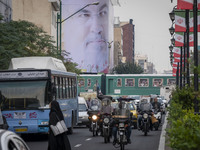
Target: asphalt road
pixel 82 139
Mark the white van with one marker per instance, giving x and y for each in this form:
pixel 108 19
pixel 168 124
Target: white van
pixel 83 109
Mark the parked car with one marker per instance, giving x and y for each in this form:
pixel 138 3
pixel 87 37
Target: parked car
pixel 11 141
pixel 83 112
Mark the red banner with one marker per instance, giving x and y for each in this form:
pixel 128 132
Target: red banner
pixel 186 4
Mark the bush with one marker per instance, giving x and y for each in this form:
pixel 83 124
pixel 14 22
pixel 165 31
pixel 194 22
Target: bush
pixel 184 131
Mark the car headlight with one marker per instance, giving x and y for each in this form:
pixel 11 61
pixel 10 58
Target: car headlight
pixel 106 120
pixel 145 116
pixel 94 117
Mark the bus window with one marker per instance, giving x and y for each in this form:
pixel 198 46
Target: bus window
pixel 64 88
pixel 89 82
pixel 119 82
pixel 23 95
pixel 129 82
pixel 67 88
pixel 143 82
pixel 71 88
pixel 157 82
pixel 61 88
pixel 74 88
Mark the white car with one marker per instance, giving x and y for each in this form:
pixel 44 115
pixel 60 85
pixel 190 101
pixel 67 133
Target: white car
pixel 11 141
pixel 83 112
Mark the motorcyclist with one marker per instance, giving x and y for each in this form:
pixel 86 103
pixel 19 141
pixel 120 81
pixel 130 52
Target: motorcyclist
pixel 144 106
pixel 94 110
pixel 106 108
pixel 157 105
pixel 122 111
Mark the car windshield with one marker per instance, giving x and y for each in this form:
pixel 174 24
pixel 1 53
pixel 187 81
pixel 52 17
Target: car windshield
pixel 160 100
pixel 22 95
pixel 130 106
pixel 82 107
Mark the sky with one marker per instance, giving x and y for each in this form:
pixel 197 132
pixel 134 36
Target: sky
pixel 152 23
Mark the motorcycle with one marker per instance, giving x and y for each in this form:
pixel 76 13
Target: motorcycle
pixel 145 122
pixel 94 117
pixel 121 135
pixel 156 119
pixel 95 125
pixel 106 127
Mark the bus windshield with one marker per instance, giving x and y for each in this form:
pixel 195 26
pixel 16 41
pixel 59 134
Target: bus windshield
pixel 22 95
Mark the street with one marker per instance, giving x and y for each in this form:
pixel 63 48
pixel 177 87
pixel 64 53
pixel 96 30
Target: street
pixel 82 139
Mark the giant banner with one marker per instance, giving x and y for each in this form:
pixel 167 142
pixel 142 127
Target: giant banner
pixel 87 34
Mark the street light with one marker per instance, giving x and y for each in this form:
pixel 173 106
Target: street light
pixel 171 47
pixel 172 16
pixel 171 30
pixel 61 21
pixel 173 41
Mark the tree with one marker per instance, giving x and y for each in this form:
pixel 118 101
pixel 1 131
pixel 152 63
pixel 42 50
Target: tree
pixel 23 39
pixel 127 68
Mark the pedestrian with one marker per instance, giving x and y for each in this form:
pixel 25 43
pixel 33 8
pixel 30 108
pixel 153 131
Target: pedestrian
pixel 61 141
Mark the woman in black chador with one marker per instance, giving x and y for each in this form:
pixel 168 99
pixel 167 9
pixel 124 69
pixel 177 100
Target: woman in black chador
pixel 61 141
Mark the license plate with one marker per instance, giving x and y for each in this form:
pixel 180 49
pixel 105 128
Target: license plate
pixel 21 130
pixel 79 121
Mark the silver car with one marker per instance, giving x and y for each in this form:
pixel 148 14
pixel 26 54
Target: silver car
pixel 11 141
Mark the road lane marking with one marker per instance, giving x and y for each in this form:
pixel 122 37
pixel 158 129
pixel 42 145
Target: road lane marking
pixel 88 139
pixel 78 145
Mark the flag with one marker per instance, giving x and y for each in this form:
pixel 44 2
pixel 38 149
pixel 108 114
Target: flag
pixel 174 70
pixel 191 22
pixel 186 4
pixel 180 24
pixel 191 39
pixel 179 39
pixel 177 59
pixel 176 51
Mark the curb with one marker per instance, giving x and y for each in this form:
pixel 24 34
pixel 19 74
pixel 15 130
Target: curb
pixel 162 135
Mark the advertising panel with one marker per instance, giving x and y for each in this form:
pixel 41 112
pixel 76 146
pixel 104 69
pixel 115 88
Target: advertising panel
pixel 87 34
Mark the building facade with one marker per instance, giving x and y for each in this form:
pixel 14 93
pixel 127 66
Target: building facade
pixel 118 42
pixel 128 41
pixel 6 10
pixel 142 61
pixel 42 13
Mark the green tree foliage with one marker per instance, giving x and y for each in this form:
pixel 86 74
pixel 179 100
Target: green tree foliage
pixel 184 129
pixel 23 39
pixel 127 68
